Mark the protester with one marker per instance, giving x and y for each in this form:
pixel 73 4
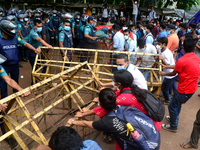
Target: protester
pixel 188 71
pixel 66 138
pixel 162 31
pixel 152 14
pixel 145 61
pixel 113 14
pixel 106 8
pixel 173 40
pixel 88 10
pixel 149 37
pixel 135 10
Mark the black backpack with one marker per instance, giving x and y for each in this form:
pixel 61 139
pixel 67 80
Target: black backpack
pixel 153 105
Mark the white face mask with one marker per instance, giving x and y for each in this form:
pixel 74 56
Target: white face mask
pixel 142 49
pixel 158 47
pixel 126 37
pixel 124 28
pixel 113 83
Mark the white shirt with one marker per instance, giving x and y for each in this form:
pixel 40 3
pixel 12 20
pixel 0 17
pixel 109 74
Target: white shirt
pixel 168 57
pixel 152 15
pixel 129 45
pixel 135 9
pixel 138 78
pixel 147 60
pixel 118 41
pixel 105 13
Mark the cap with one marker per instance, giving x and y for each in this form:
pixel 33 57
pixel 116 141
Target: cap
pixel 90 18
pixel 171 26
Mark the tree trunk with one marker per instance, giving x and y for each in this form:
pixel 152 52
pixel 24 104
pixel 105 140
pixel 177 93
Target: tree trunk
pixel 167 3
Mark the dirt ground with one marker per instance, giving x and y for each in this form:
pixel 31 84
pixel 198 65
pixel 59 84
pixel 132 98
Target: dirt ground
pixel 169 140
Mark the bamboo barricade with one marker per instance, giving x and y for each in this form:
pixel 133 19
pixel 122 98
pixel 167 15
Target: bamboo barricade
pixel 98 60
pixel 32 120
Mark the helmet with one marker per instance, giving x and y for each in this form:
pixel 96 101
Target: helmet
pixel 54 11
pixel 67 15
pixel 39 10
pixel 37 15
pixel 21 16
pixel 11 17
pixel 5 26
pixel 77 17
pixel 1 9
pixel 84 18
pixel 29 11
pixel 105 30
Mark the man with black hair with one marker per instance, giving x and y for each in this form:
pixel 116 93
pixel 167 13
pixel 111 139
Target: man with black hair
pixel 172 38
pixel 35 39
pixel 162 31
pixel 45 31
pixel 192 29
pixel 188 71
pixel 145 61
pixel 181 33
pixel 152 14
pixel 123 63
pixel 167 59
pixel 66 40
pixel 66 138
pixel 149 36
pixel 135 10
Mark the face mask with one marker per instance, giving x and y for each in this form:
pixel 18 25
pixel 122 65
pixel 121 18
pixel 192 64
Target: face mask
pixel 158 47
pixel 179 29
pixel 142 49
pixel 120 67
pixel 54 15
pixel 77 20
pixel 48 21
pixel 39 29
pixel 26 19
pixel 92 25
pixel 38 18
pixel 154 24
pixel 21 20
pixel 168 32
pixel 198 31
pixel 144 32
pixel 13 31
pixel 189 30
pixel 66 28
pixel 113 83
pixel 126 37
pixel 124 28
pixel 113 32
pixel 1 13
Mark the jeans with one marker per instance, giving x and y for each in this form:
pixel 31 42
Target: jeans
pixel 146 74
pixel 166 85
pixel 13 70
pixel 175 107
pixel 134 19
pixel 194 138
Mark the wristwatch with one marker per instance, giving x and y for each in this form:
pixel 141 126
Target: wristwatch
pixel 73 121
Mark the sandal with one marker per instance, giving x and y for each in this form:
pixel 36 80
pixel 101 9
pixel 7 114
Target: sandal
pixel 108 138
pixel 187 145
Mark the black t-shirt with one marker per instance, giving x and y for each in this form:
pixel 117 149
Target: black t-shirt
pixel 113 125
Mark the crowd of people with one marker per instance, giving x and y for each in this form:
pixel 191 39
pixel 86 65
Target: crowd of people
pixel 175 43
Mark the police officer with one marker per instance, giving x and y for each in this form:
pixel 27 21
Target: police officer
pixel 8 48
pixel 35 39
pixel 37 16
pixel 45 31
pixel 90 35
pixel 65 39
pixel 56 22
pixel 81 35
pixel 1 12
pixel 23 32
pixel 75 29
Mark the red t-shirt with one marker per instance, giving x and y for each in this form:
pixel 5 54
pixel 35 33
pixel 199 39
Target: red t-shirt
pixel 188 71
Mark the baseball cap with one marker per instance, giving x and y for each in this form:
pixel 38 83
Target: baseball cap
pixel 171 26
pixel 90 18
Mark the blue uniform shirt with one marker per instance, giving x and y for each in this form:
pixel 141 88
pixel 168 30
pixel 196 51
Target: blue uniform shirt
pixel 32 38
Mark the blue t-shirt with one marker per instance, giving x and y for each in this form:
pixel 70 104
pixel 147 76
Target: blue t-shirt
pixel 162 34
pixel 90 145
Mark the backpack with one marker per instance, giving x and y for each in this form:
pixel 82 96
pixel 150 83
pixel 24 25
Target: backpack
pixel 149 138
pixel 153 105
pixel 154 39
